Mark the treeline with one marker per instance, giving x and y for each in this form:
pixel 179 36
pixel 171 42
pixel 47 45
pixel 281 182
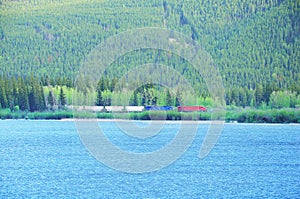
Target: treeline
pixel 146 95
pixel 152 94
pixel 27 94
pixel 253 43
pixel 30 94
pixel 262 95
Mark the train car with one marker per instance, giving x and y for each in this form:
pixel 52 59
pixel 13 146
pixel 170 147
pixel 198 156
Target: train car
pixel 191 108
pixel 158 108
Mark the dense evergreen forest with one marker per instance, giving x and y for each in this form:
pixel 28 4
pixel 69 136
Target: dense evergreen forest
pixel 255 44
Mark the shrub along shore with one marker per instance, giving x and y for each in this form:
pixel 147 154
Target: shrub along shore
pixel 238 115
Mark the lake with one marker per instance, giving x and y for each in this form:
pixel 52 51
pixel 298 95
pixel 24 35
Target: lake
pixel 46 159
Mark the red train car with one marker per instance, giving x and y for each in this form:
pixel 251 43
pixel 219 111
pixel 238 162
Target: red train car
pixel 191 108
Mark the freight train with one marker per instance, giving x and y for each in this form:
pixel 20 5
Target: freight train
pixel 139 108
pixel 179 108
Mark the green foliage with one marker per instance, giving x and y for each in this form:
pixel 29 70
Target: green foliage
pixel 106 95
pixel 58 115
pixel 69 93
pixel 51 100
pixel 264 116
pixel 178 99
pixel 62 99
pixel 283 99
pixel 104 92
pixel 3 95
pixel 135 99
pixel 5 113
pixel 36 97
pixel 253 43
pixel 26 94
pixel 239 115
pixel 169 99
pixel 99 90
pixel 23 95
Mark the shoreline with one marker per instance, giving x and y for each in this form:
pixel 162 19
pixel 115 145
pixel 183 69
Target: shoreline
pixel 268 116
pixel 130 120
pixel 154 121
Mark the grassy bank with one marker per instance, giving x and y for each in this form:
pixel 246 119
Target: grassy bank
pixel 240 115
pixel 264 116
pixel 49 115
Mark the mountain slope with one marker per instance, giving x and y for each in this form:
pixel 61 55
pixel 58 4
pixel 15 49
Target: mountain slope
pixel 253 43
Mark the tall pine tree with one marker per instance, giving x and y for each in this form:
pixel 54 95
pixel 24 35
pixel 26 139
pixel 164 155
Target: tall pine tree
pixel 62 99
pixel 23 95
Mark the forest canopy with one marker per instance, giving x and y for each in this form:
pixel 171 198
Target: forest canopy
pixel 254 44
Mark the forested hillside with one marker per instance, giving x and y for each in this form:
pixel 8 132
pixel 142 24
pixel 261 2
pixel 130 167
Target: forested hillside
pixel 255 44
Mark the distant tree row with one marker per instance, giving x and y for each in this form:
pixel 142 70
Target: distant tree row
pixel 27 94
pixel 145 95
pixel 153 94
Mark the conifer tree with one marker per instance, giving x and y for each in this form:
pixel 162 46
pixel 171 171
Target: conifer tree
pixel 23 95
pixel 62 99
pixel 169 100
pixel 178 98
pixel 3 98
pixel 32 94
pixel 99 99
pixel 51 100
pixel 135 99
pixel 259 95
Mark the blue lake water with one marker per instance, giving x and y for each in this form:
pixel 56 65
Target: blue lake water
pixel 46 159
